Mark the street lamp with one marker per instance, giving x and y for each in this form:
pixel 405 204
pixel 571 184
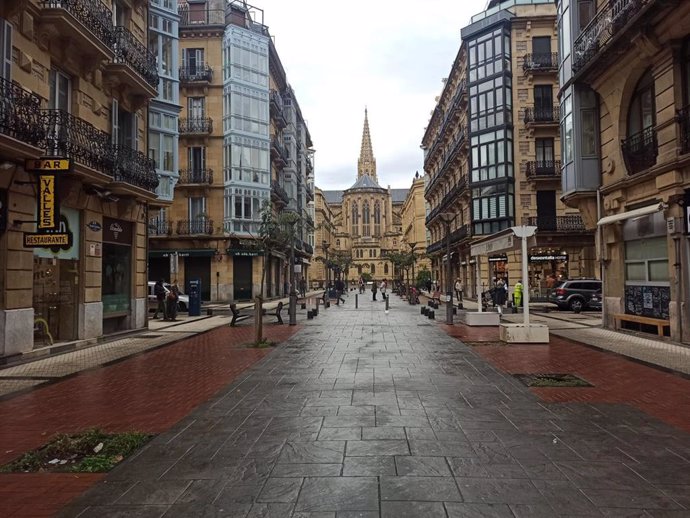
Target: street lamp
pixel 448 218
pixel 325 245
pixel 412 247
pixel 292 308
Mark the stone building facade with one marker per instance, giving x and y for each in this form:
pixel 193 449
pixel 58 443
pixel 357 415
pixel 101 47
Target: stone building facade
pixel 624 92
pixel 244 145
pixel 491 155
pixel 75 81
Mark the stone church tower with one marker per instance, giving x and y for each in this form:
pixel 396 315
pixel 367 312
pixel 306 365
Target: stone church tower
pixel 366 217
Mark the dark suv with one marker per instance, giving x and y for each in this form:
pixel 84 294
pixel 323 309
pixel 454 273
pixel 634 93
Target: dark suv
pixel 574 294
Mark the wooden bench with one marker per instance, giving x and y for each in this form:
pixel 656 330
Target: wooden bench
pixel 236 316
pixel 276 312
pixel 658 322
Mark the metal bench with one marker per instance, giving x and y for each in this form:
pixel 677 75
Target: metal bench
pixel 236 316
pixel 658 322
pixel 277 311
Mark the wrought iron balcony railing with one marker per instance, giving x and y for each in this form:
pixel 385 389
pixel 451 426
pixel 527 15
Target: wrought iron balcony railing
pixel 196 74
pixel 130 51
pixel 186 227
pixel 158 227
pixel 609 21
pixel 279 192
pixel 542 115
pixel 191 18
pixel 540 62
pixel 307 248
pixel 456 236
pixel 278 152
pixel 92 14
pixel 640 150
pixel 198 126
pixel 196 176
pixel 72 137
pixel 20 114
pixel 683 118
pixel 135 168
pixel 543 168
pixel 569 223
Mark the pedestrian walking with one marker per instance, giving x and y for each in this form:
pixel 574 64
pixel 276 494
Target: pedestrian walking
pixel 382 288
pixel 373 290
pixel 500 295
pixel 159 292
pixel 339 287
pixel 361 285
pixel 303 287
pixel 458 290
pixel 171 301
pixel 517 293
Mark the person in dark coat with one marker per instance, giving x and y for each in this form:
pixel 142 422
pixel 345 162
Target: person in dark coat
pixel 159 292
pixel 373 290
pixel 500 295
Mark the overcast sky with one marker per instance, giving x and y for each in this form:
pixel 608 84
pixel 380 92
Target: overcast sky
pixel 388 55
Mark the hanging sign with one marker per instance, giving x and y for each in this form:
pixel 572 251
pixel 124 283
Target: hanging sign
pixel 48 211
pixel 47 164
pixel 44 240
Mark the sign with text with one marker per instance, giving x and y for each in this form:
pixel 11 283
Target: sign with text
pixel 48 212
pixel 38 240
pixel 496 244
pixel 47 164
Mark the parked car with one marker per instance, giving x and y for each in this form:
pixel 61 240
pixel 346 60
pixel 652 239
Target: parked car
pixel 182 301
pixel 596 301
pixel 574 294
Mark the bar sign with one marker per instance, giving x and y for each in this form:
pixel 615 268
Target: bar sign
pixel 47 202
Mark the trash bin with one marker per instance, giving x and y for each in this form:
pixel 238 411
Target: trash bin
pixel 194 297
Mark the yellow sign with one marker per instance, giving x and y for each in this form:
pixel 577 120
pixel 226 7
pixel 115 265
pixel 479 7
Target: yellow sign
pixel 46 240
pixel 46 202
pixel 47 164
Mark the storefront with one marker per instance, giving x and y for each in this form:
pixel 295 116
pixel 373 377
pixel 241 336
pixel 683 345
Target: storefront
pixel 56 286
pixel 116 274
pixel 546 268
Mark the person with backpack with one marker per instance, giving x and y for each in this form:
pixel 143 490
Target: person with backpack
pixel 159 292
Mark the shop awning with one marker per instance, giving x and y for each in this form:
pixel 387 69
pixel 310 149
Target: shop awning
pixel 635 213
pixel 195 252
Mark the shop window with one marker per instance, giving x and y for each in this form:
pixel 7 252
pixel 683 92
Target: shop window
pixel 116 267
pixel 646 260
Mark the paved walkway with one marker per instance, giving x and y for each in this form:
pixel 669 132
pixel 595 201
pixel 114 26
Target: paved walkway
pixel 372 414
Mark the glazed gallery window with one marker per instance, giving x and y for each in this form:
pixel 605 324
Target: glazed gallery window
pixel 245 58
pixel 488 55
pixel 248 109
pixel 492 156
pixel 567 129
pixel 247 160
pixel 490 104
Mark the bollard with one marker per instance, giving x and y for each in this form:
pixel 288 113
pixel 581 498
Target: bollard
pixel 432 315
pixel 310 315
pixel 356 301
pixel 387 298
pixel 304 305
pixel 455 311
pixel 430 303
pixel 423 310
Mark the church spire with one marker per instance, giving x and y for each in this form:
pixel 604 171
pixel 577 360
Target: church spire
pixel 366 165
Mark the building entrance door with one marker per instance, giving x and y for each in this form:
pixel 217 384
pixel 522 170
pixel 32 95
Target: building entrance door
pixel 242 278
pixel 198 268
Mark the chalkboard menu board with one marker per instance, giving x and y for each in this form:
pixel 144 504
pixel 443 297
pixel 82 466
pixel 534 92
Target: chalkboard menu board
pixel 648 301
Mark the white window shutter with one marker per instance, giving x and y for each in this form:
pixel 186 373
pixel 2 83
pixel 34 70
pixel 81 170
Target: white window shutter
pixel 6 48
pixel 115 122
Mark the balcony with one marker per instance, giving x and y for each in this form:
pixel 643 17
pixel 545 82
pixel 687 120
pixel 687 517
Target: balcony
pixel 308 248
pixel 279 194
pixel 542 115
pixel 200 74
pixel 134 66
pixel 547 169
pixel 609 23
pixel 278 153
pixel 196 226
pixel 310 193
pixel 195 16
pixel 20 120
pixel 640 150
pixel 196 177
pixel 88 23
pixel 160 227
pixel 569 223
pixel 683 118
pixel 277 106
pixel 456 236
pixel 69 136
pixel 134 168
pixel 196 126
pixel 540 63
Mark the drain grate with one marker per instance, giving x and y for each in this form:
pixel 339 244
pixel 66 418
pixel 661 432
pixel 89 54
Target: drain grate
pixel 148 336
pixel 552 380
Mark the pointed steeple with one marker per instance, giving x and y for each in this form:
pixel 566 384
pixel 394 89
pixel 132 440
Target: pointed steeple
pixel 366 165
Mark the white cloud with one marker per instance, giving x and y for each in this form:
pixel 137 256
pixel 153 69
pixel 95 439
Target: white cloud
pixel 385 54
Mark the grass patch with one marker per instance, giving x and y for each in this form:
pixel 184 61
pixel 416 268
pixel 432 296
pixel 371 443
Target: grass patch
pixel 263 344
pixel 552 380
pixel 91 451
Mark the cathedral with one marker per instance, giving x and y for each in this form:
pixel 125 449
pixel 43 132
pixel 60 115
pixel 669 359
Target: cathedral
pixel 363 222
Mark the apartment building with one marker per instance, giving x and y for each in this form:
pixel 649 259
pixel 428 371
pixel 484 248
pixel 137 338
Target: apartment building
pixel 75 81
pixel 412 217
pixel 624 92
pixel 243 145
pixel 491 149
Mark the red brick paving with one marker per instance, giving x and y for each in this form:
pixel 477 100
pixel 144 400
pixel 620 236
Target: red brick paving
pixel 616 379
pixel 148 393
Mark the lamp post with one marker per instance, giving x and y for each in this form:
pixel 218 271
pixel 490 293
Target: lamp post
pixel 448 218
pixel 412 247
pixel 325 245
pixel 292 308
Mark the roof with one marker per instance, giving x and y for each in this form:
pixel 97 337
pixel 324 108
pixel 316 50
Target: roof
pixel 399 195
pixel 333 196
pixel 365 182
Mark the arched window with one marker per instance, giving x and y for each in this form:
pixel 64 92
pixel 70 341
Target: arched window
pixel 355 219
pixel 385 268
pixel 373 269
pixel 640 148
pixel 366 229
pixel 377 218
pixel 359 270
pixel 337 243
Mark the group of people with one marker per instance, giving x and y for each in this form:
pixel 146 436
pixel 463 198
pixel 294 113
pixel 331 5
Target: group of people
pixel 500 294
pixel 167 300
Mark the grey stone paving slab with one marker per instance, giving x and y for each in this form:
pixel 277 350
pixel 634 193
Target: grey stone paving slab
pixel 363 414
